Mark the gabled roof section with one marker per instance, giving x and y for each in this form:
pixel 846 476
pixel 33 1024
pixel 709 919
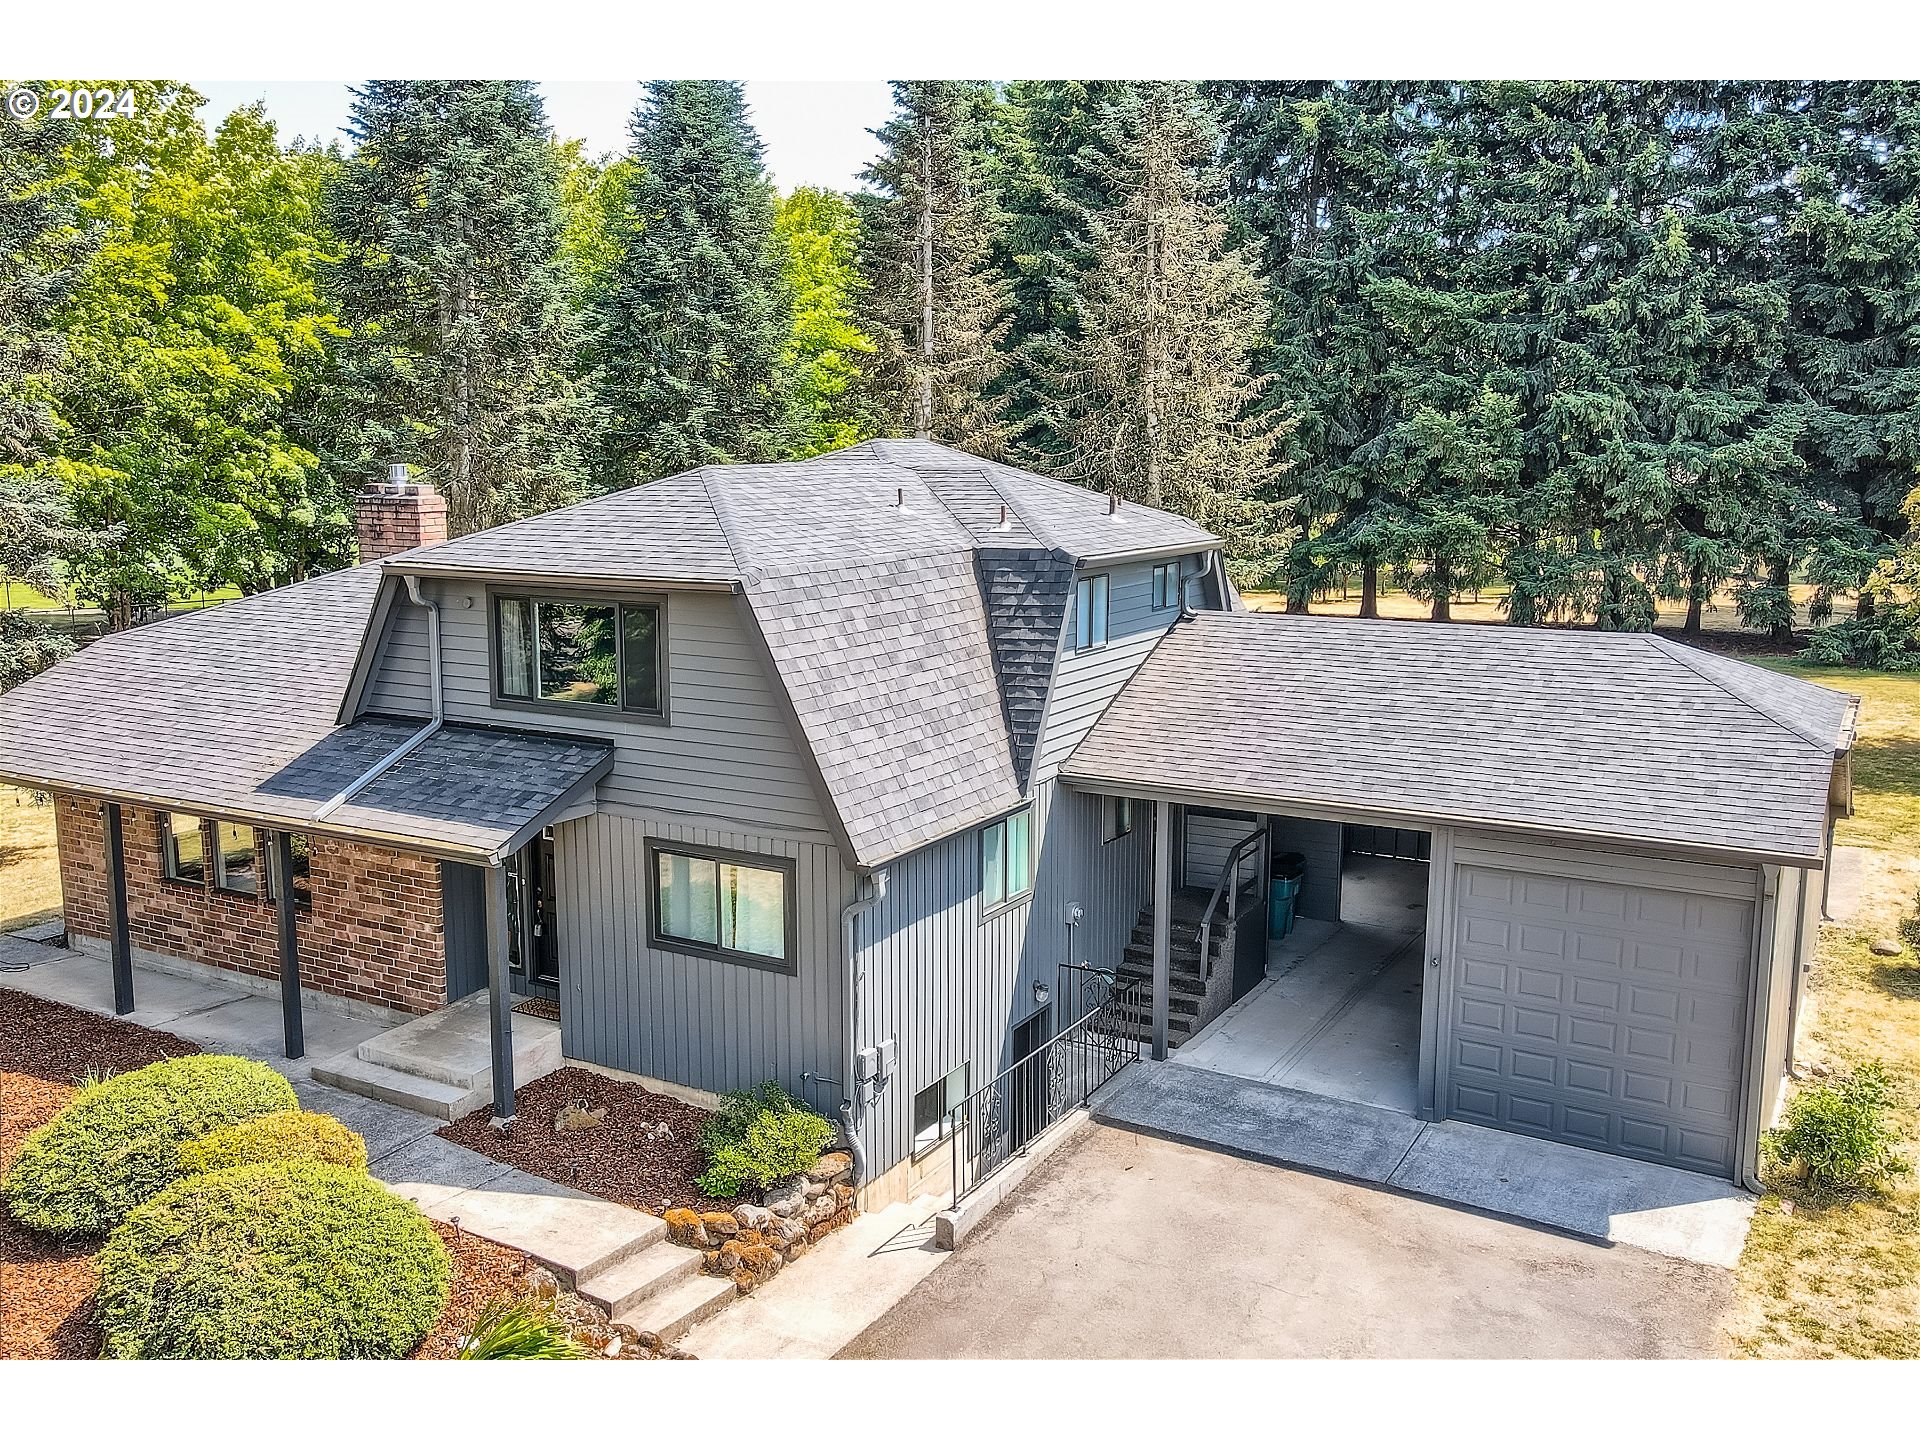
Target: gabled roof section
pixel 891 678
pixel 1599 736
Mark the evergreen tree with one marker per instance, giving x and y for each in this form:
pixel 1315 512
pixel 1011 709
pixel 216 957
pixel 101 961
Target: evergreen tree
pixel 692 329
pixel 822 234
pixel 464 341
pixel 1153 398
pixel 937 306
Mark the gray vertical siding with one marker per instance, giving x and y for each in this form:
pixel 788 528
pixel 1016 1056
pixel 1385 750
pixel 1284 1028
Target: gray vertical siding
pixel 1320 842
pixel 687 1018
pixel 1083 684
pixel 463 907
pixel 950 983
pixel 729 750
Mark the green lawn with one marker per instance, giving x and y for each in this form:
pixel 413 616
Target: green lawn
pixel 16 596
pixel 1822 1278
pixel 29 864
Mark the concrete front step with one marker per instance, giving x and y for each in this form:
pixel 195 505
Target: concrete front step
pixel 396 1087
pixel 621 1288
pixel 674 1311
pixel 576 1235
pixel 442 1064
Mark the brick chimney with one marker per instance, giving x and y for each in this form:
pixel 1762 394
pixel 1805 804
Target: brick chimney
pixel 397 514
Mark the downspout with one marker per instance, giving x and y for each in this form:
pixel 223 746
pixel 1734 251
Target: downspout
pixel 1206 569
pixel 852 1113
pixel 426 733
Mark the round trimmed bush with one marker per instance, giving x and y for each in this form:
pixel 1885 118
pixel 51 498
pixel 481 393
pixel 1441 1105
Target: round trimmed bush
pixel 267 1139
pixel 299 1261
pixel 116 1144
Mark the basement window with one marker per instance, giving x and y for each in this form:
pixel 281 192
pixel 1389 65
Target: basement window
pixel 1006 860
pixel 1090 613
pixel 574 652
pixel 730 906
pixel 933 1109
pixel 236 859
pixel 183 847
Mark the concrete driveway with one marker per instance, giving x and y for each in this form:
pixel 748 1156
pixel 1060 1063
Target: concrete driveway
pixel 1129 1246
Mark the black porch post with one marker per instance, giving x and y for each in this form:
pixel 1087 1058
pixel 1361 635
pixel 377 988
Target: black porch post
pixel 280 872
pixel 1162 922
pixel 117 910
pixel 500 1000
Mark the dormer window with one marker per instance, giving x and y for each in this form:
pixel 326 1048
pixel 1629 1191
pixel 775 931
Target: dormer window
pixel 565 651
pixel 1090 613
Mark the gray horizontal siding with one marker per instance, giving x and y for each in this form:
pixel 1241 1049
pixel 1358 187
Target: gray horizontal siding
pixel 729 750
pixel 1320 842
pixel 1085 683
pixel 686 1018
pixel 1208 841
pixel 950 983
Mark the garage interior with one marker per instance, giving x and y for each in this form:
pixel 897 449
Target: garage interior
pixel 1338 1013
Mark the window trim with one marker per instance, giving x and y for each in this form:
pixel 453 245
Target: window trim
pixel 553 595
pixel 1102 581
pixel 789 868
pixel 942 1135
pixel 218 858
pixel 992 909
pixel 1172 570
pixel 267 839
pixel 168 858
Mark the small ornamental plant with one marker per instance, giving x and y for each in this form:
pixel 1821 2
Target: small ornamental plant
pixel 265 1139
pixel 1840 1136
pixel 757 1138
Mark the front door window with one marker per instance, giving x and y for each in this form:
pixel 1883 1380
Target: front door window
pixel 533 948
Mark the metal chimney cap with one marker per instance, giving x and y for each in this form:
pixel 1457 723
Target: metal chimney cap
pixel 397 478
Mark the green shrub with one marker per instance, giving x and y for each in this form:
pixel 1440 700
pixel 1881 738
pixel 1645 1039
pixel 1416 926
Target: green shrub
pixel 117 1142
pixel 524 1329
pixel 266 1139
pixel 300 1261
pixel 1910 926
pixel 1839 1135
pixel 1889 640
pixel 758 1138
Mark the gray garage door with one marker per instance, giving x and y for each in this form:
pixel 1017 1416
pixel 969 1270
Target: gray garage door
pixel 1607 1015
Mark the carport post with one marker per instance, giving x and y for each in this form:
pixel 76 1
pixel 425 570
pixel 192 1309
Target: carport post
pixel 280 875
pixel 1162 921
pixel 499 1000
pixel 122 938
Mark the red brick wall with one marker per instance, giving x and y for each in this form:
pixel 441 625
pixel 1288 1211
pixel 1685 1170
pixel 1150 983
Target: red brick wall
pixel 373 933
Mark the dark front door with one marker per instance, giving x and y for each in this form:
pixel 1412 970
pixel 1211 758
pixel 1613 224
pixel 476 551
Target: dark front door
pixel 1029 1096
pixel 532 935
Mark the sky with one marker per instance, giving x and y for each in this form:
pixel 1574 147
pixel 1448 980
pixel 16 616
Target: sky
pixel 815 130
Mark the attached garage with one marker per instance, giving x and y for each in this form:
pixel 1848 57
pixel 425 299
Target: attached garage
pixel 1625 840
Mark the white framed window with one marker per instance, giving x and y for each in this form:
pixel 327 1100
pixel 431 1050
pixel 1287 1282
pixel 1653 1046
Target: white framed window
pixel 933 1109
pixel 1090 613
pixel 1166 586
pixel 1006 859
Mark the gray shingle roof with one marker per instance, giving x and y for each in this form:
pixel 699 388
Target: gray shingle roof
pixel 230 711
pixel 1026 594
pixel 1612 737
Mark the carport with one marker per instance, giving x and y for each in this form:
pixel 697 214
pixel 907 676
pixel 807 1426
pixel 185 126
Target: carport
pixel 1624 836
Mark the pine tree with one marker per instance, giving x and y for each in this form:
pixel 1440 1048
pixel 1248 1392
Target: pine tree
pixel 694 323
pixel 937 305
pixel 464 342
pixel 821 231
pixel 1153 398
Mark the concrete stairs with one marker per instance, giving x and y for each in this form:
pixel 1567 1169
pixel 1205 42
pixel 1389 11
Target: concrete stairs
pixel 442 1064
pixel 658 1287
pixel 1187 990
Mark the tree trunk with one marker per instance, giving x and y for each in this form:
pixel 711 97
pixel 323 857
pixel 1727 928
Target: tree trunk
pixel 1696 598
pixel 1442 580
pixel 1370 589
pixel 923 406
pixel 1863 605
pixel 1779 576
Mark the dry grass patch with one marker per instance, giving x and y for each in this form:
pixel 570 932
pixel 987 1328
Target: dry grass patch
pixel 1834 1276
pixel 29 859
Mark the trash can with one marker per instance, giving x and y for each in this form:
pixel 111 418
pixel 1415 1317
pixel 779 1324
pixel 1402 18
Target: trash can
pixel 1284 893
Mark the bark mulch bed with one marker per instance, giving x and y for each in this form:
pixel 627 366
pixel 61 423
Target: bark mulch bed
pixel 623 1158
pixel 47 1285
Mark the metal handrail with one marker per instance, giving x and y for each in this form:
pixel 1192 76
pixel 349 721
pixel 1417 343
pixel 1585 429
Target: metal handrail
pixel 1229 882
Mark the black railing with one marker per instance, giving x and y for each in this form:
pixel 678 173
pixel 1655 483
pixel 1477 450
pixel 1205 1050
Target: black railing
pixel 1007 1114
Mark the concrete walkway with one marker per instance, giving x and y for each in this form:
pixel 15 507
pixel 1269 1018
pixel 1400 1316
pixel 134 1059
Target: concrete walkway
pixel 1583 1192
pixel 568 1230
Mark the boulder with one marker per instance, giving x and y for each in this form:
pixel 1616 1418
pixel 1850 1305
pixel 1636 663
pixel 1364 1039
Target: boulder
pixel 833 1166
pixel 819 1232
pixel 790 1191
pixel 816 1190
pixel 541 1284
pixel 752 1217
pixel 729 1257
pixel 1887 945
pixel 785 1232
pixel 574 1115
pixel 684 1228
pixel 843 1193
pixel 794 1251
pixel 762 1262
pixel 720 1226
pixel 710 1262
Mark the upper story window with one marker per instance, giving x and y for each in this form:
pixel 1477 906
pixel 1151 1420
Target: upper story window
pixel 1166 586
pixel 731 906
pixel 183 847
pixel 1006 859
pixel 576 652
pixel 1090 613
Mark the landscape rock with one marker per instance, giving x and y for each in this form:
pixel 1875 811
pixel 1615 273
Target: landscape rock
pixel 719 1226
pixel 541 1284
pixel 752 1217
pixel 816 1190
pixel 785 1232
pixel 789 1191
pixel 1887 945
pixel 762 1262
pixel 684 1228
pixel 576 1116
pixel 832 1166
